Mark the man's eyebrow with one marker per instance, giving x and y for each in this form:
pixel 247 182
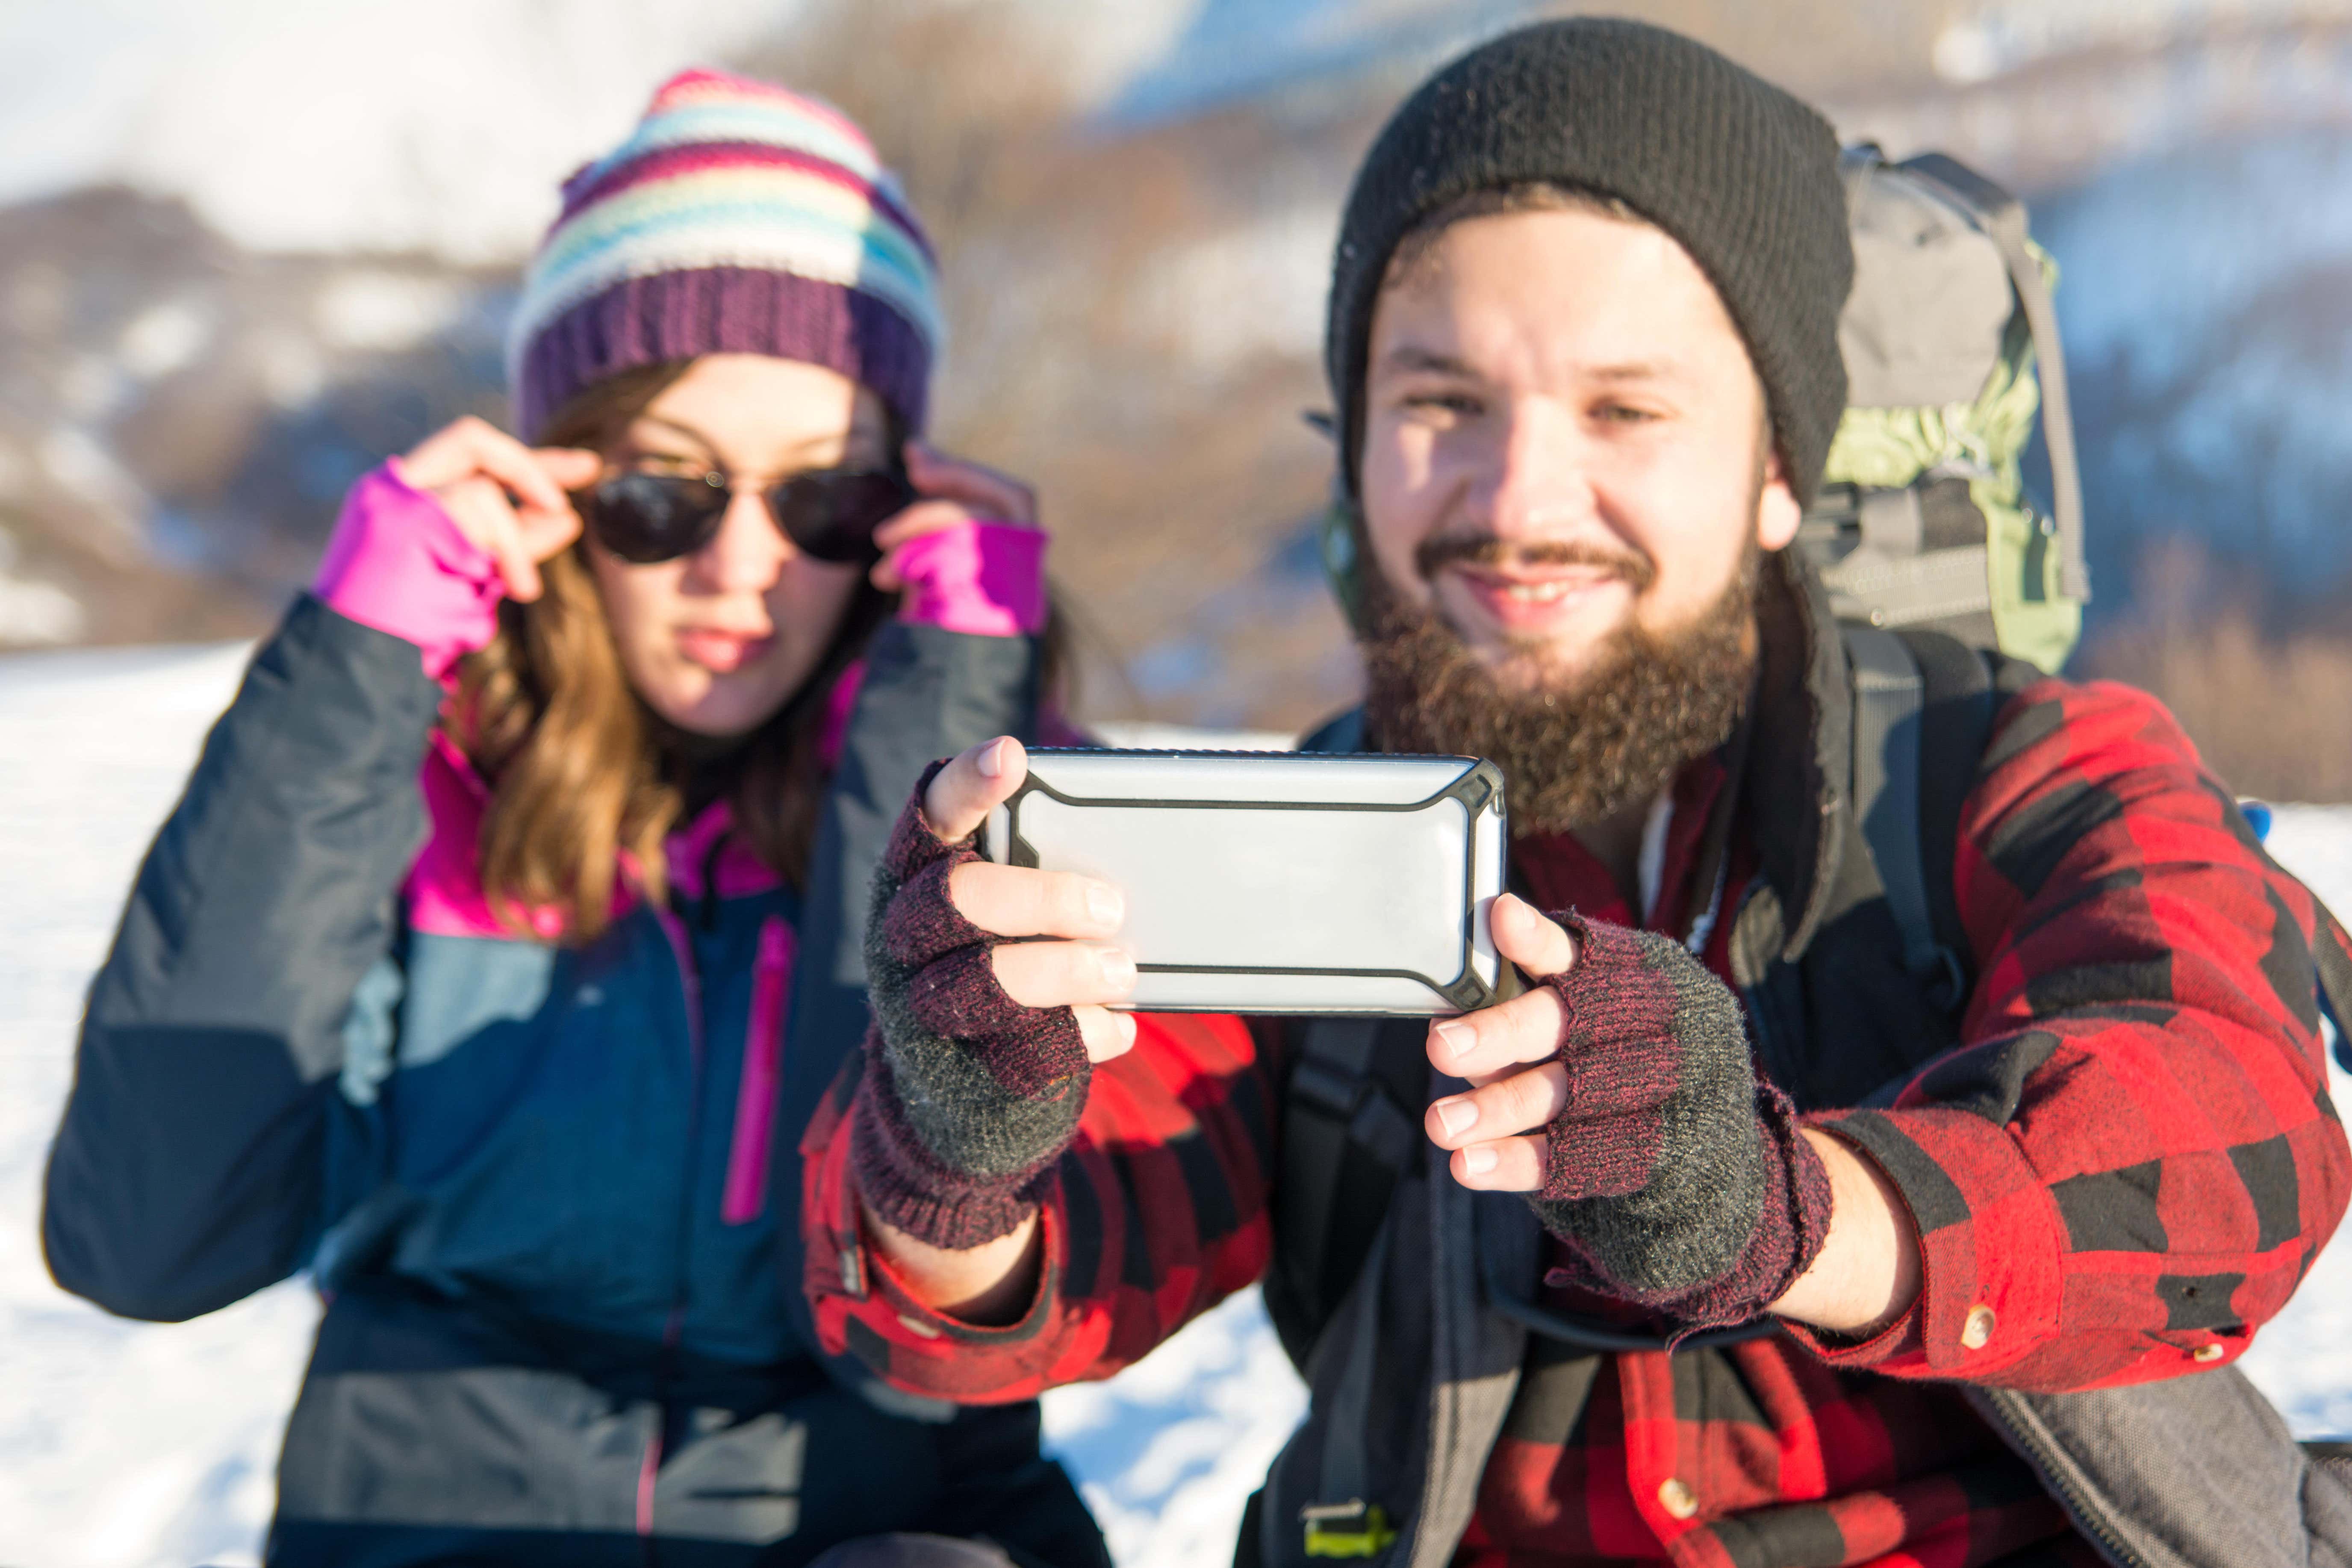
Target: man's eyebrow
pixel 1412 357
pixel 1635 370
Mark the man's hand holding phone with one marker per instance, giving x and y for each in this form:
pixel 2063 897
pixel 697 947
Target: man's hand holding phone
pixel 1619 1095
pixel 984 1045
pixel 1073 960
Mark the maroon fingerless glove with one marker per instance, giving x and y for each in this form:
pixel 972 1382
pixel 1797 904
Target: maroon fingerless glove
pixel 1675 1175
pixel 968 1097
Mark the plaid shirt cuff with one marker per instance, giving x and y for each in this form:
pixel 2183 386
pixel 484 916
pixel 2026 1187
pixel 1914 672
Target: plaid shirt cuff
pixel 863 1308
pixel 1991 1244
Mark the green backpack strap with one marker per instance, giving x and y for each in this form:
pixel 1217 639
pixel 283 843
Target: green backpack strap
pixel 1922 712
pixel 2003 217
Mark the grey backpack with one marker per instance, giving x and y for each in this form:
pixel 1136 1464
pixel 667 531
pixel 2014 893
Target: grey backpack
pixel 1951 351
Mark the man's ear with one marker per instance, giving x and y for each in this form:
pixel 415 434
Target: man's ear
pixel 1776 511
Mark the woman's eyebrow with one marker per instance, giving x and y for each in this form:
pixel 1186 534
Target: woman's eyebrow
pixel 688 431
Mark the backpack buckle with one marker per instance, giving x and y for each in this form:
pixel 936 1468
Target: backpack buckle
pixel 1351 1529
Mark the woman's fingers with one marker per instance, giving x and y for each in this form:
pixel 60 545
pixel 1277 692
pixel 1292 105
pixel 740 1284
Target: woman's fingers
pixel 987 493
pixel 471 445
pixel 546 529
pixel 1105 1033
pixel 1514 1103
pixel 925 517
pixel 1507 1165
pixel 484 514
pixel 445 456
pixel 507 498
pixel 1063 974
pixel 1019 901
pixel 1524 935
pixel 516 466
pixel 571 468
pixel 975 783
pixel 1498 1039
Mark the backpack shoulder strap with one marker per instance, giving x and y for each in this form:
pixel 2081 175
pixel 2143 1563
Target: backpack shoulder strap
pixel 1345 1142
pixel 1923 711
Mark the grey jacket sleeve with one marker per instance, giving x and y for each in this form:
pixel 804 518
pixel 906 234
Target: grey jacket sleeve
pixel 187 1172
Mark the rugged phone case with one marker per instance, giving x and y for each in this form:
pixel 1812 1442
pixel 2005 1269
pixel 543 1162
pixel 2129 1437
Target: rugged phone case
pixel 1266 882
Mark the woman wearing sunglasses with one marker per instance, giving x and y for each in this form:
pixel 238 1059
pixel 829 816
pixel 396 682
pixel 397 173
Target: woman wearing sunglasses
pixel 508 929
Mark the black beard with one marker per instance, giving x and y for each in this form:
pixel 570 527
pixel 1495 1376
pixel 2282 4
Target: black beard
pixel 1573 753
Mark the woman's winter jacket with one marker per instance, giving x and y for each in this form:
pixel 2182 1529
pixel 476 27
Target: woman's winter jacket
pixel 547 1192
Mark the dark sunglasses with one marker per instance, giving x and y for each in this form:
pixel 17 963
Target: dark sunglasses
pixel 829 514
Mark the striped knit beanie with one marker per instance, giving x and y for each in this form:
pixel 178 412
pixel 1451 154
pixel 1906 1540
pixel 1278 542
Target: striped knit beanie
pixel 737 218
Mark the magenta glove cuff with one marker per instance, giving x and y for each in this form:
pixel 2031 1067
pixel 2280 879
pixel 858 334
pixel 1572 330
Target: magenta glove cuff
pixel 397 563
pixel 985 578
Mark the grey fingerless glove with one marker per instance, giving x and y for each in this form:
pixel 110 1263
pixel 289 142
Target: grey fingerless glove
pixel 1677 1178
pixel 968 1097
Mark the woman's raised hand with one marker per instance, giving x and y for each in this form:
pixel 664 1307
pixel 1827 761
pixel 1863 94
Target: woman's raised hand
pixel 507 498
pixel 953 491
pixel 1081 965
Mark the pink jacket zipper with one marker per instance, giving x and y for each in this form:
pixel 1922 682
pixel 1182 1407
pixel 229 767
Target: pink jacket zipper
pixel 755 1100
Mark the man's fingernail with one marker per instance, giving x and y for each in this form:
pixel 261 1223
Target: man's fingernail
pixel 1118 965
pixel 992 760
pixel 1455 1037
pixel 1457 1116
pixel 1106 905
pixel 1479 1160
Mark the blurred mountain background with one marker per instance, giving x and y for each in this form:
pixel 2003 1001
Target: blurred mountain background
pixel 248 247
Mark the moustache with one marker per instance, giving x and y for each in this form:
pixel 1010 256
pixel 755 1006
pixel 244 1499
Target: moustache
pixel 1434 555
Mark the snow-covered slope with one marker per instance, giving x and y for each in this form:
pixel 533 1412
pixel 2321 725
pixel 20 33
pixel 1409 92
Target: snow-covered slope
pixel 387 125
pixel 135 1446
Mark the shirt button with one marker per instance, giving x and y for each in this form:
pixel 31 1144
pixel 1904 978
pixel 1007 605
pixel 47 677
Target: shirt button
pixel 1676 1498
pixel 2209 1352
pixel 1975 1329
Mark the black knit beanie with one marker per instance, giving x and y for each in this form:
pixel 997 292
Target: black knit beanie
pixel 1742 174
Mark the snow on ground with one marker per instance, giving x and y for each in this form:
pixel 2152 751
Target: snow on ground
pixel 122 1444
pixel 137 1446
pixel 2303 1359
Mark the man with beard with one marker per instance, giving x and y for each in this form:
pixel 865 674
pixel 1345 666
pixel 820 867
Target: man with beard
pixel 1741 1250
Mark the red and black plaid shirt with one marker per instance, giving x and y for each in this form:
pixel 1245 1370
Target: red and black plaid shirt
pixel 2124 1170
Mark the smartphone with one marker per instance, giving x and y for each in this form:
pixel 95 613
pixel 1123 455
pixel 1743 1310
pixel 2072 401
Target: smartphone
pixel 1278 883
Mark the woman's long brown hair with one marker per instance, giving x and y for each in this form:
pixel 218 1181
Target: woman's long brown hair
pixel 581 774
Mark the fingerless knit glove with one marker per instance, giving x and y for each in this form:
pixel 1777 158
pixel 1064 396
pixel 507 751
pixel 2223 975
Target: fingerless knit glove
pixel 1677 1177
pixel 968 1097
